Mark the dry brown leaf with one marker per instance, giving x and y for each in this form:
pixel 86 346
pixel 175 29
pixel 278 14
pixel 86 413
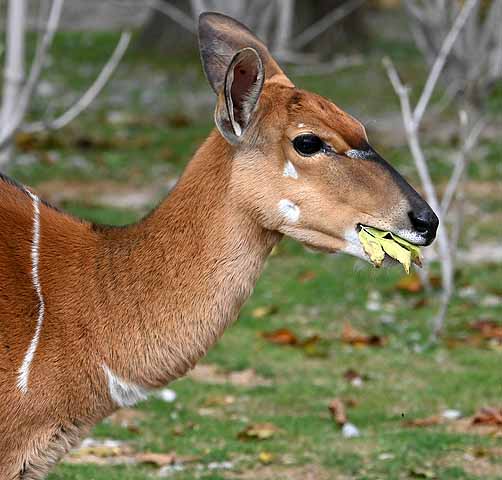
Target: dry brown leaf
pixel 410 283
pixel 355 337
pixel 424 422
pixel 282 336
pixel 337 410
pixel 156 459
pixel 258 431
pixel 489 329
pixel 488 416
pixel 307 276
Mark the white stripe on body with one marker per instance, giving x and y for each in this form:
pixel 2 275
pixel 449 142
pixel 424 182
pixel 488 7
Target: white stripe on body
pixel 24 370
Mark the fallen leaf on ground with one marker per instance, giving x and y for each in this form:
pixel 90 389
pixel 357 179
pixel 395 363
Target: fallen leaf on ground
pixel 489 329
pixel 337 410
pixel 410 283
pixel 156 459
pixel 307 276
pixel 424 422
pixel 264 311
pixel 266 458
pixel 419 472
pixel 357 338
pixel 488 416
pixel 282 336
pixel 101 452
pixel 258 431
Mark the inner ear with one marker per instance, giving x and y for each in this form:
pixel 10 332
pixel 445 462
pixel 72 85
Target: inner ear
pixel 243 85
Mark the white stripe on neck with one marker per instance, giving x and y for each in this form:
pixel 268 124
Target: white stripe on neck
pixel 124 394
pixel 24 371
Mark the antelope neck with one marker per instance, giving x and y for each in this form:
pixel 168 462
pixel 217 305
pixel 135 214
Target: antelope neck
pixel 179 277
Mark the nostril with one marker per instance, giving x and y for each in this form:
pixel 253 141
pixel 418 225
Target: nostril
pixel 424 221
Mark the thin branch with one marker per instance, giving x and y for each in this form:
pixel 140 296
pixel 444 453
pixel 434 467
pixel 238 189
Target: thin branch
pixel 460 165
pixel 438 65
pixel 36 69
pixel 325 22
pixel 89 96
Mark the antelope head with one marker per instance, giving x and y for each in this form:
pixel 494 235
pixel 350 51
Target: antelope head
pixel 301 165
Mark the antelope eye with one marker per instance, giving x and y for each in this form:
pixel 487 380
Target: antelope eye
pixel 307 144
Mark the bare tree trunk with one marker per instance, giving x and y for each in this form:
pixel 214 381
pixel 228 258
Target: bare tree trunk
pixel 13 69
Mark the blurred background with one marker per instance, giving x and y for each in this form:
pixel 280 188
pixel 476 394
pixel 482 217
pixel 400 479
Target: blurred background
pixel 334 369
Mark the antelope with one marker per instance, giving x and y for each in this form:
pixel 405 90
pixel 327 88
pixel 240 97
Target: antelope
pixel 94 317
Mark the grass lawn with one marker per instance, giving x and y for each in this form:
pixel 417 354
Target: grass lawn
pixel 138 135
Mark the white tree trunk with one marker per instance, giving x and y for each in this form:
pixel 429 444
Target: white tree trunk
pixel 13 69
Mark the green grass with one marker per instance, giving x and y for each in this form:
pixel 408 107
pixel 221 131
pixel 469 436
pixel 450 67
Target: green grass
pixel 407 378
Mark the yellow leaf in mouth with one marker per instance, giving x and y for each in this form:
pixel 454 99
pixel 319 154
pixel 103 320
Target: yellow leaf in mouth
pixel 371 246
pixel 378 242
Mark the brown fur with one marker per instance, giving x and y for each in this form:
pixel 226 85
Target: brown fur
pixel 148 300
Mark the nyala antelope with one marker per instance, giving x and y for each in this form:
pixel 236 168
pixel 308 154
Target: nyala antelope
pixel 93 317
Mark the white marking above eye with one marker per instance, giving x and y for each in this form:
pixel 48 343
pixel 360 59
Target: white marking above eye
pixel 362 154
pixel 289 210
pixel 300 125
pixel 290 170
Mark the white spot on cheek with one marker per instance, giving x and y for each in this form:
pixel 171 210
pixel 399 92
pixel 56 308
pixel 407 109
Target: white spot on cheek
pixel 290 170
pixel 289 210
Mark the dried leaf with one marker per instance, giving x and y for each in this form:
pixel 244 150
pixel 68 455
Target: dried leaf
pixel 424 422
pixel 259 431
pixel 488 416
pixel 489 329
pixel 357 338
pixel 410 283
pixel 307 276
pixel 156 459
pixel 337 410
pixel 266 458
pixel 282 336
pixel 264 311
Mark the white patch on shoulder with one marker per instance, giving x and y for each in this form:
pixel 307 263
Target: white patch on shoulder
pixel 24 370
pixel 289 210
pixel 124 394
pixel 290 170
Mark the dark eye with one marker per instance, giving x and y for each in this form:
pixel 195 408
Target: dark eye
pixel 307 144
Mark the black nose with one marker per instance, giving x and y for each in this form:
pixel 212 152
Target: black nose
pixel 425 222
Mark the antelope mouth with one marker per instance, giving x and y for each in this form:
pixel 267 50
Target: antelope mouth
pixel 381 246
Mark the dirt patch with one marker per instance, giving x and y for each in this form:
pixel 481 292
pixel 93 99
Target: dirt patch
pixel 481 463
pixel 306 472
pixel 207 373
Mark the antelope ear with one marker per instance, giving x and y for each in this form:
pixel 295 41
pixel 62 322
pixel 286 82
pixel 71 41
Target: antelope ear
pixel 239 98
pixel 220 38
